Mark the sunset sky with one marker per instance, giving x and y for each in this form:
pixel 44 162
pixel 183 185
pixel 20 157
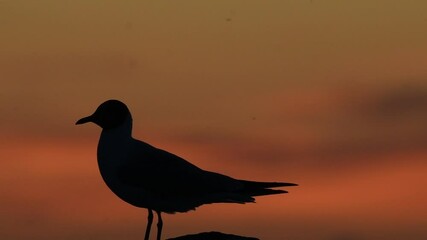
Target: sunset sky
pixel 331 95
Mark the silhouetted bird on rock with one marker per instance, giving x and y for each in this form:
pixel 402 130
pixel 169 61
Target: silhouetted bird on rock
pixel 149 177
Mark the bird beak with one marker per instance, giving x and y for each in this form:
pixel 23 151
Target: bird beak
pixel 85 120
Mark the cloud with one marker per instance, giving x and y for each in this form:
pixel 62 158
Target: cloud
pixel 326 125
pixel 407 100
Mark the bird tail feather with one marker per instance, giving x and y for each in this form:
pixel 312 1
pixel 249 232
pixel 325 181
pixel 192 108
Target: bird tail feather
pixel 254 184
pixel 253 188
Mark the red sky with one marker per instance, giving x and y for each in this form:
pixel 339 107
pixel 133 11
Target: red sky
pixel 331 95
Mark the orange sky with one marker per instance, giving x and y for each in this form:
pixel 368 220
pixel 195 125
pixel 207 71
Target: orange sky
pixel 329 94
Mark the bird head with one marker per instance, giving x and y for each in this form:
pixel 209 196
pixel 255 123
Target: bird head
pixel 108 115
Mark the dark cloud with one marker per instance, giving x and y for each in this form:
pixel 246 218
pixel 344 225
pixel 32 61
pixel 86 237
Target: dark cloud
pixel 345 124
pixel 338 152
pixel 406 100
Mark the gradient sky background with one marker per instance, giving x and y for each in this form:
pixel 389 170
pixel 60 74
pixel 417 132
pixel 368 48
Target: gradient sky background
pixel 328 94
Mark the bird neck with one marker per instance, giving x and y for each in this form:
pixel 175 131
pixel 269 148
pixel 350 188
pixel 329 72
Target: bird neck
pixel 122 131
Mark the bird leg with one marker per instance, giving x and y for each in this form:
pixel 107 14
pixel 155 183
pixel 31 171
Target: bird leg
pixel 159 225
pixel 149 222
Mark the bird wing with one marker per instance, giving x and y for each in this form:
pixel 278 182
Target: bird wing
pixel 165 174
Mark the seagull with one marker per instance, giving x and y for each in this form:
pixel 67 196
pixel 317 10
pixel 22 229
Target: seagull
pixel 149 177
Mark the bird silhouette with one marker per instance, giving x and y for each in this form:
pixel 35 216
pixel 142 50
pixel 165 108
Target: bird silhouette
pixel 148 177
